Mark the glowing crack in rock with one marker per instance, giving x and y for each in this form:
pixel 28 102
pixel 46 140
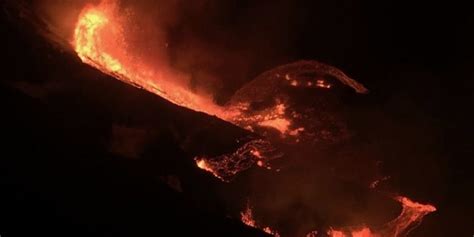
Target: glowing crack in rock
pixel 224 167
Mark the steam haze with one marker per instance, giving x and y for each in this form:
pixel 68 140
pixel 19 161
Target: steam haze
pixel 215 46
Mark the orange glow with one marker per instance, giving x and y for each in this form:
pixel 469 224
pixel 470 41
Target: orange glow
pixel 256 153
pixel 247 218
pixel 336 233
pixel 420 208
pixel 363 232
pixel 85 40
pixel 279 124
pixel 99 41
pixel 323 84
pixel 225 167
pixel 411 215
pixel 274 117
pixel 204 165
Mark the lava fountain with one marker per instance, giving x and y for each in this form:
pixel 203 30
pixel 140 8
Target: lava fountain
pixel 99 41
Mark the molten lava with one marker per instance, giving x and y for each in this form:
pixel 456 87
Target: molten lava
pixel 202 164
pixel 247 218
pixel 411 215
pixel 87 41
pixel 364 232
pixel 99 41
pixel 224 167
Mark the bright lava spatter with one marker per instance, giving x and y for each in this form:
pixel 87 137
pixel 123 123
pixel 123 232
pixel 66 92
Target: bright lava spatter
pixel 99 41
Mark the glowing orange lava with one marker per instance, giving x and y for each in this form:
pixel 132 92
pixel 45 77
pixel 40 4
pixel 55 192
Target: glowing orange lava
pixel 204 165
pixel 247 218
pixel 411 215
pixel 99 41
pixel 364 232
pixel 85 36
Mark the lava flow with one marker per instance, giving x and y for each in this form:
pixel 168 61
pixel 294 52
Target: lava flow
pixel 100 41
pixel 247 218
pixel 411 215
pixel 226 166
